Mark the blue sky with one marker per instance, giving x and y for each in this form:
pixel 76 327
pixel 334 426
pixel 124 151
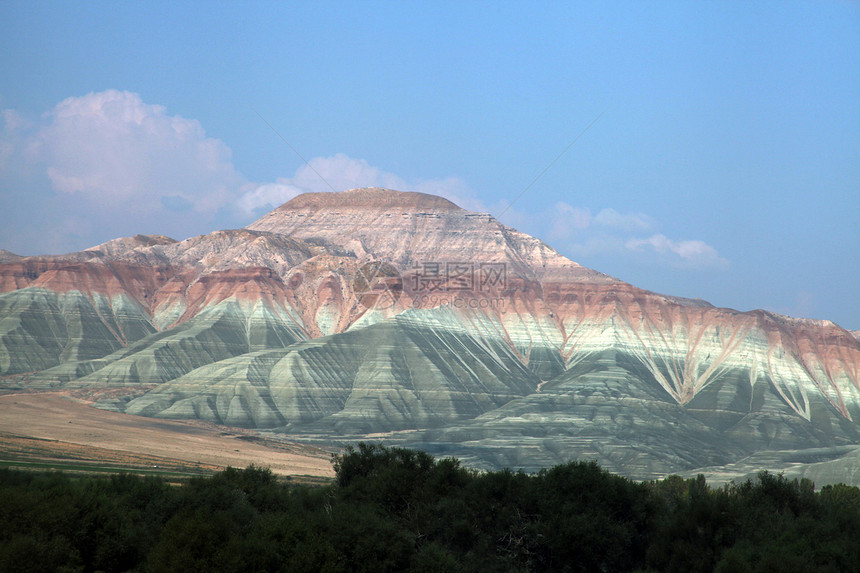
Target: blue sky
pixel 725 164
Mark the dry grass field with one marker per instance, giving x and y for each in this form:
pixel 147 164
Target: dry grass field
pixel 61 429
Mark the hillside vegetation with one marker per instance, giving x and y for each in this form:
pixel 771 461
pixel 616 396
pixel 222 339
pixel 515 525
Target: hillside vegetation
pixel 393 509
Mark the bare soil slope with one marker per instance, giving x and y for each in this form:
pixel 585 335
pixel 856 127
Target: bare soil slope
pixel 55 425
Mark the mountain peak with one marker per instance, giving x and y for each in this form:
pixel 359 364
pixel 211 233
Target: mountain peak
pixel 129 243
pixel 371 199
pixel 407 228
pixel 8 256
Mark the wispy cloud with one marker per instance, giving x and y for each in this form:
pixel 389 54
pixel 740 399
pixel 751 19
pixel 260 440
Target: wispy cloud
pixel 567 221
pixel 257 198
pixel 624 221
pixel 692 253
pixel 578 233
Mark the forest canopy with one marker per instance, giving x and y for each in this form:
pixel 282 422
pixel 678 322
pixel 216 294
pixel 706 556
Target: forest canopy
pixel 395 509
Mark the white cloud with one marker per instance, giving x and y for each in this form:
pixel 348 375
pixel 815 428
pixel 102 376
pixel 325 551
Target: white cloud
pixel 108 164
pixel 341 172
pixel 596 245
pixel 625 221
pixel 113 148
pixel 266 197
pixel 567 220
pixel 13 121
pixel 579 234
pixel 690 252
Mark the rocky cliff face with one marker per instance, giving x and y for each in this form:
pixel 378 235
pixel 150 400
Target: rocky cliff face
pixel 375 313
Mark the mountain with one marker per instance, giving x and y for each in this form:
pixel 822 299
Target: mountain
pixel 378 314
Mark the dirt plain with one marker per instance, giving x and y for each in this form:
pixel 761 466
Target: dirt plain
pixel 62 429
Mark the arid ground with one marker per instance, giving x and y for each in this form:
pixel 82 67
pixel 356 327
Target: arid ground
pixel 61 429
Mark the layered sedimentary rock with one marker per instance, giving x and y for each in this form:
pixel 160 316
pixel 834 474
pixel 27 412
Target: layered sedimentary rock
pixel 393 375
pixel 405 229
pixel 399 316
